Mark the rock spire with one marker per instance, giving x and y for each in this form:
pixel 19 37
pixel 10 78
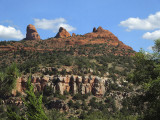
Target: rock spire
pixel 32 33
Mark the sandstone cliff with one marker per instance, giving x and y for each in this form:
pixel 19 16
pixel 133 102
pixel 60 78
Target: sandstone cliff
pixel 72 84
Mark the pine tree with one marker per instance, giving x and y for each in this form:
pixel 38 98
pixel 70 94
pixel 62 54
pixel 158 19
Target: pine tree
pixel 8 80
pixel 34 104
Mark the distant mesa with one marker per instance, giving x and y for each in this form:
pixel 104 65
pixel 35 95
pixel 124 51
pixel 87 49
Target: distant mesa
pixel 32 33
pixel 62 33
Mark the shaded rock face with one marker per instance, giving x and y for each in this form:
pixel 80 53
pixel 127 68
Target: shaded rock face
pixel 62 33
pixel 94 29
pixel 32 33
pixel 98 87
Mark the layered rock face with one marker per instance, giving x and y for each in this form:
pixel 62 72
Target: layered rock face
pixel 62 33
pixel 71 84
pixel 77 84
pixel 32 33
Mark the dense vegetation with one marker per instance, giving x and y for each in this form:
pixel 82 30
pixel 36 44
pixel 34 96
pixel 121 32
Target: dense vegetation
pixel 147 74
pixel 141 71
pixel 85 62
pixel 8 80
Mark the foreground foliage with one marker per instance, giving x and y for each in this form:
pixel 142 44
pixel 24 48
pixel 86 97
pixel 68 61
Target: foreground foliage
pixel 33 106
pixel 147 74
pixel 146 104
pixel 8 80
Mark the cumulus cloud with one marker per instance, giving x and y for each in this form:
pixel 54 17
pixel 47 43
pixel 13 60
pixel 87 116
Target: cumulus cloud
pixel 10 33
pixel 150 23
pixel 152 35
pixel 53 24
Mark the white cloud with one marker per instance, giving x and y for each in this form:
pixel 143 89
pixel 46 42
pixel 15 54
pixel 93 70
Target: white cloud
pixel 53 24
pixel 152 35
pixel 150 23
pixel 150 48
pixel 10 33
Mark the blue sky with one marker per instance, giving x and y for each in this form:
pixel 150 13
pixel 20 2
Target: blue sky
pixel 135 22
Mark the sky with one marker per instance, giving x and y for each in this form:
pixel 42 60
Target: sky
pixel 135 22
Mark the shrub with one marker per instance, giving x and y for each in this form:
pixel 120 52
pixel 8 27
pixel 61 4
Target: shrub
pixel 77 105
pixel 70 103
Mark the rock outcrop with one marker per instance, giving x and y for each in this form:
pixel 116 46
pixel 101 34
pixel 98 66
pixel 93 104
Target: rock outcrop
pixel 32 33
pixel 73 34
pixel 71 84
pixel 94 29
pixel 101 33
pixel 100 29
pixel 62 33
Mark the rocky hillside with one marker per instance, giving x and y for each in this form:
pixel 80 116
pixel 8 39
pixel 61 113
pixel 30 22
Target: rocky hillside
pixel 77 74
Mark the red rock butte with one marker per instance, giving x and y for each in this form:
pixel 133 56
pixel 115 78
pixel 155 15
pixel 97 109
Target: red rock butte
pixel 100 32
pixel 62 33
pixel 32 33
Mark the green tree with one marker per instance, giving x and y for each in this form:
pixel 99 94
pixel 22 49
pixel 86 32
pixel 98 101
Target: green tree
pixel 147 74
pixel 8 80
pixel 34 104
pixel 13 115
pixel 156 47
